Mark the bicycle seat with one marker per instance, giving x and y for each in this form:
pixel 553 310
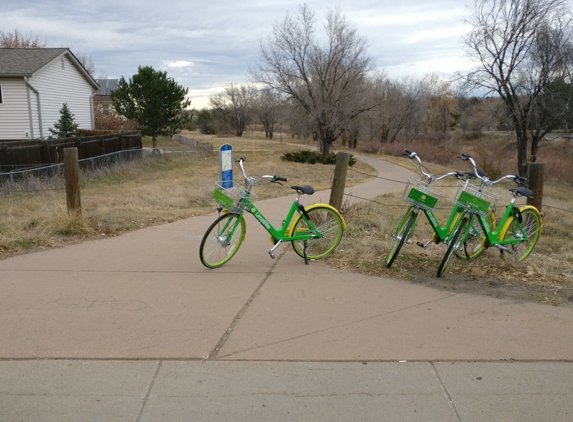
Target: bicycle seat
pixel 521 191
pixel 307 190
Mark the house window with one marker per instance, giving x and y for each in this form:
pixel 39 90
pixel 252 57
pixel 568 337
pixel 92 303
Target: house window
pixel 1 96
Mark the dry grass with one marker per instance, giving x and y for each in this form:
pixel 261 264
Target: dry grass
pixel 176 187
pixel 546 276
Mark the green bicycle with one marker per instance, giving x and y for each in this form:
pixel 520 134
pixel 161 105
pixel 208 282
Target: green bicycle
pixel 314 231
pixel 517 231
pixel 425 198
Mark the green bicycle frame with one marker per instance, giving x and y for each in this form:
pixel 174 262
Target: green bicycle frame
pixel 283 233
pixel 492 236
pixel 442 233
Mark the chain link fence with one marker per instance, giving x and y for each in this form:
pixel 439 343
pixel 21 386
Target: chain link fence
pixel 52 176
pixel 195 146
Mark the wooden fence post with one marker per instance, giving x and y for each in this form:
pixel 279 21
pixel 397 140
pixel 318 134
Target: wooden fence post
pixel 535 172
pixel 72 178
pixel 339 180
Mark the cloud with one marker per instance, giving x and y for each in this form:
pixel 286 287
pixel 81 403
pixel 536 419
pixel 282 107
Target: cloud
pixel 179 64
pixel 206 45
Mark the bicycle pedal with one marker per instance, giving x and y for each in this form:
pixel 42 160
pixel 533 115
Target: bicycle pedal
pixel 272 255
pixel 420 244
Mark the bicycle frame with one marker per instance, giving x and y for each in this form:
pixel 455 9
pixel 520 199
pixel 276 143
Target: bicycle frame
pixel 284 232
pixel 492 237
pixel 442 233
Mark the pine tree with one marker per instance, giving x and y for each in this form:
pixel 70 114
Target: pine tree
pixel 157 103
pixel 66 126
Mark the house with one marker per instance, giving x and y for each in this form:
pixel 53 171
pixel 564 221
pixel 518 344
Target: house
pixel 34 84
pixel 102 97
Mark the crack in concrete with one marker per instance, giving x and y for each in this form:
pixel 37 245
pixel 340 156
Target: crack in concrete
pixel 214 353
pixel 446 392
pixel 336 326
pixel 144 403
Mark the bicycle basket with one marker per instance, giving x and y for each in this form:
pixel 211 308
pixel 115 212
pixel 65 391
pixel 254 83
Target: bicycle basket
pixel 473 199
pixel 227 197
pixel 421 195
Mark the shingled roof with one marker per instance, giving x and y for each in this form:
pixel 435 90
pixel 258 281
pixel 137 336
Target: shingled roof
pixel 26 61
pixel 21 62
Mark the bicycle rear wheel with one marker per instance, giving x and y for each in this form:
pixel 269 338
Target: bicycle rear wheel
pixel 222 240
pixel 329 223
pixel 531 225
pixel 402 234
pixel 455 243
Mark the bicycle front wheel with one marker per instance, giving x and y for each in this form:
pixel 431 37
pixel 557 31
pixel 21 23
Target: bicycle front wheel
pixel 527 232
pixel 222 240
pixel 402 234
pixel 456 243
pixel 328 223
pixel 473 245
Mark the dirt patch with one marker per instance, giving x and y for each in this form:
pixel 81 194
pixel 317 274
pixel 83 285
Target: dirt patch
pixel 492 287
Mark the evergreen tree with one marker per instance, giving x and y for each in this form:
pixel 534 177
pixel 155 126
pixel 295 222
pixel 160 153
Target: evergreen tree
pixel 155 102
pixel 66 126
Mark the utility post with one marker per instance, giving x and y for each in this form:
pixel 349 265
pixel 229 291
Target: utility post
pixel 72 178
pixel 339 180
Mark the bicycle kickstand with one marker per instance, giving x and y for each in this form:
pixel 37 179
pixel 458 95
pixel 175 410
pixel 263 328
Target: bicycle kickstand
pixel 305 244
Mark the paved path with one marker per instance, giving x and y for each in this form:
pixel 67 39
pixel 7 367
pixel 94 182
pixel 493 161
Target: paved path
pixel 134 328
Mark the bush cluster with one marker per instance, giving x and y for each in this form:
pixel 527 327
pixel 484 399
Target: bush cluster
pixel 313 157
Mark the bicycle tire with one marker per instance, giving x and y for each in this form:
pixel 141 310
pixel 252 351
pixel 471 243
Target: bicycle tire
pixel 216 248
pixel 403 233
pixel 473 245
pixel 455 243
pixel 531 224
pixel 329 223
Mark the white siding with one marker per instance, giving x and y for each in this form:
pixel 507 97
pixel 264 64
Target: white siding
pixel 59 84
pixel 14 115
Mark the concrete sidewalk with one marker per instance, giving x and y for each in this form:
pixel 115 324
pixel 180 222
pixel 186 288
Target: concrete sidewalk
pixel 135 328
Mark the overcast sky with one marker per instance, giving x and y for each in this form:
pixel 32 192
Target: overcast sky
pixel 205 45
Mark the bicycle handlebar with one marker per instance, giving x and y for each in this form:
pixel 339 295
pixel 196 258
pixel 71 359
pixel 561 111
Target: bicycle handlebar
pixel 485 180
pixel 252 180
pixel 430 177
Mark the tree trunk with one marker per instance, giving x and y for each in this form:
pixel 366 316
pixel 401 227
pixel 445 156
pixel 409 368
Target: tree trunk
pixel 324 146
pixel 521 152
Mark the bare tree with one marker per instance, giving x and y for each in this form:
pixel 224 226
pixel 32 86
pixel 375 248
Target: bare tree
pixel 297 119
pixel 443 109
pixel 16 39
pixel 87 63
pixel 235 104
pixel 401 108
pixel 477 115
pixel 521 47
pixel 327 81
pixel 268 108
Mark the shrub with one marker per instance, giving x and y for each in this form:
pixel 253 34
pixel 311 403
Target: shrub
pixel 313 157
